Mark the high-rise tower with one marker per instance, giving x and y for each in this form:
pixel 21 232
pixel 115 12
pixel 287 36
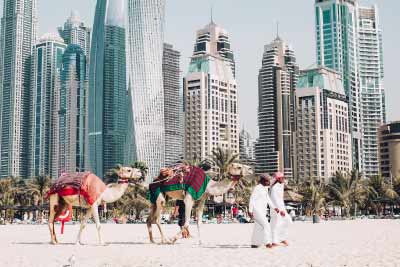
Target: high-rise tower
pixel 371 85
pixel 210 97
pixel 173 113
pixel 323 134
pixel 145 80
pixel 277 79
pixel 72 113
pixel 45 94
pixel 18 35
pixel 107 89
pixel 75 32
pixel 349 41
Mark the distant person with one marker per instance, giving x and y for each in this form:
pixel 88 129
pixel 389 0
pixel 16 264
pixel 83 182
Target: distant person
pixel 279 224
pixel 259 201
pixel 180 213
pixel 235 212
pixel 292 214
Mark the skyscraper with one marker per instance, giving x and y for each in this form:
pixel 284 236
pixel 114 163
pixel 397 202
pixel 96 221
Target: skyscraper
pixel 210 97
pixel 349 40
pixel 145 80
pixel 107 89
pixel 323 134
pixel 247 146
pixel 173 116
pixel 45 89
pixel 72 112
pixel 18 35
pixel 75 32
pixel 336 30
pixel 371 85
pixel 275 149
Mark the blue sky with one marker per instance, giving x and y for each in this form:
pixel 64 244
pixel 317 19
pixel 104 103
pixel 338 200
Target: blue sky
pixel 251 25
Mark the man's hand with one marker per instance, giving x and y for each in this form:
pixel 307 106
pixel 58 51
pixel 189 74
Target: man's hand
pixel 251 215
pixel 283 214
pixel 277 210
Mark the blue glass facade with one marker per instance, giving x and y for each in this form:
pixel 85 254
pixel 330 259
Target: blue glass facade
pixel 108 92
pixel 72 112
pixel 45 83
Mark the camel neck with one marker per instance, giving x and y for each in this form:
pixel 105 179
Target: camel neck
pixel 220 188
pixel 114 192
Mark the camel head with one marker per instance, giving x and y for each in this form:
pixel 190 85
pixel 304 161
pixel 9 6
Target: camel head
pixel 129 173
pixel 238 170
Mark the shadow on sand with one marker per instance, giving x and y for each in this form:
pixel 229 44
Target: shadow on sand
pixel 228 246
pixel 42 243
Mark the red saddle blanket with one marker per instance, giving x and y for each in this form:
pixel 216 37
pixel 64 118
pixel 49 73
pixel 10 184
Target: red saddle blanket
pixel 194 182
pixel 86 184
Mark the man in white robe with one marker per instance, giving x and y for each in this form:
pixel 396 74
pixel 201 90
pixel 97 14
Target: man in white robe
pixel 279 222
pixel 259 201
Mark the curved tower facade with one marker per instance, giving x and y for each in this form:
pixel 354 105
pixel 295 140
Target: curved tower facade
pixel 145 77
pixel 72 112
pixel 107 88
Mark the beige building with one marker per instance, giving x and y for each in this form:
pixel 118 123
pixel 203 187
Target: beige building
pixel 389 149
pixel 210 96
pixel 323 132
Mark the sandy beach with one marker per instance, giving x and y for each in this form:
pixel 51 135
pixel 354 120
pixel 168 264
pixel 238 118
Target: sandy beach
pixel 335 243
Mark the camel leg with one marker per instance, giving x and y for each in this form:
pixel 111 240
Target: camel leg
pixel 83 225
pixel 149 222
pixel 200 209
pixel 52 216
pixel 95 212
pixel 159 205
pixel 188 200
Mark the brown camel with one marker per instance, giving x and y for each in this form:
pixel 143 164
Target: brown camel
pixel 112 193
pixel 235 170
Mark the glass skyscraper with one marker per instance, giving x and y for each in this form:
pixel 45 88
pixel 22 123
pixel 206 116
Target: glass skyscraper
pixel 45 89
pixel 145 80
pixel 173 109
pixel 371 85
pixel 18 35
pixel 277 79
pixel 349 41
pixel 75 32
pixel 336 35
pixel 72 112
pixel 108 101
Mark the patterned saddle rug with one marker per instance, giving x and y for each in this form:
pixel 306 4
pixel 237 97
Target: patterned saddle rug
pixel 85 184
pixel 194 182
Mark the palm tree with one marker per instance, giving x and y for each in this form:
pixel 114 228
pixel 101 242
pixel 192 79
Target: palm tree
pixel 6 197
pixel 380 193
pixel 347 190
pixel 142 166
pixel 314 197
pixel 134 200
pixel 396 187
pixel 38 187
pixel 222 159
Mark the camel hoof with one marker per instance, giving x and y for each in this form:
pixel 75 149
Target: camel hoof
pixel 166 242
pixel 53 242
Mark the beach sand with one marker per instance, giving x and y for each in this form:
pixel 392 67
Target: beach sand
pixel 335 243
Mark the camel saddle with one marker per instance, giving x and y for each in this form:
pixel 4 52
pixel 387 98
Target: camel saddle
pixel 194 182
pixel 85 184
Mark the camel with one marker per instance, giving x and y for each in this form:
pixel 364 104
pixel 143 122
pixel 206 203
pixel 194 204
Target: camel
pixel 112 193
pixel 214 188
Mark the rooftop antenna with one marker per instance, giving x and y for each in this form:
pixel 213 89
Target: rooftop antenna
pixel 212 20
pixel 277 29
